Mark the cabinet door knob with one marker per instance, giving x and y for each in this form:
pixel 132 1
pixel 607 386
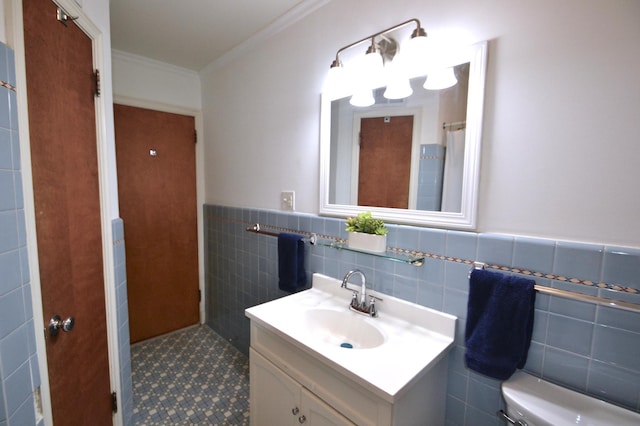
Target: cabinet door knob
pixel 302 419
pixel 295 411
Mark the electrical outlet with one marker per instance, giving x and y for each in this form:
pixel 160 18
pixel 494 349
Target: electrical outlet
pixel 287 200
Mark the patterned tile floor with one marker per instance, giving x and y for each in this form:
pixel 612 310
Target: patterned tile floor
pixel 192 376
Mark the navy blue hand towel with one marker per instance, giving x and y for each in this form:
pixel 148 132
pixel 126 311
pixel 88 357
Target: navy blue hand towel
pixel 499 323
pixel 291 262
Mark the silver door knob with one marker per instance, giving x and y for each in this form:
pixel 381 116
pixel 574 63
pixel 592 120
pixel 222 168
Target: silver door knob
pixel 56 324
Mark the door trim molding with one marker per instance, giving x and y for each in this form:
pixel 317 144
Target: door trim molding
pixel 197 114
pixel 104 151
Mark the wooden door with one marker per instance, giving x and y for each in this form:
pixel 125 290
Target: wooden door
pixel 385 161
pixel 157 191
pixel 60 92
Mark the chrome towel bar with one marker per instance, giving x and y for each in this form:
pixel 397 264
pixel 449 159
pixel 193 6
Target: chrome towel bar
pixel 627 306
pixel 256 229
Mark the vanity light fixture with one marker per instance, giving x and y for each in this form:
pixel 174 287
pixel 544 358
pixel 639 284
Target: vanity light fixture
pixel 381 64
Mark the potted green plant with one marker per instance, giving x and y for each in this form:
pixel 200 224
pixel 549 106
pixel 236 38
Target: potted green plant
pixel 367 233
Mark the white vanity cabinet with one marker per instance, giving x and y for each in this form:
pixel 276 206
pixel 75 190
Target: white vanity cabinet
pixel 277 399
pixel 301 372
pixel 284 377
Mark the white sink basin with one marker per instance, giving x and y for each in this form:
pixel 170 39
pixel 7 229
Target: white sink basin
pixel 389 352
pixel 344 329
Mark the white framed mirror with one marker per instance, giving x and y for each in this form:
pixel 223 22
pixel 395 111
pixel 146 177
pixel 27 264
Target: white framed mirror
pixel 424 182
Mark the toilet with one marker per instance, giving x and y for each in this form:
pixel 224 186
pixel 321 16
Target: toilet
pixel 535 402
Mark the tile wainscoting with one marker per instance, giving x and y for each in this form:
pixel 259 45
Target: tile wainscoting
pixel 593 349
pixel 125 399
pixel 19 371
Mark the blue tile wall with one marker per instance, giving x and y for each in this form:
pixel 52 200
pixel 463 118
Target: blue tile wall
pixel 588 348
pixel 125 402
pixel 431 167
pixel 19 373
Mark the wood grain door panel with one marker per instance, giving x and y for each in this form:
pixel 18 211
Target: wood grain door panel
pixel 385 161
pixel 60 92
pixel 158 206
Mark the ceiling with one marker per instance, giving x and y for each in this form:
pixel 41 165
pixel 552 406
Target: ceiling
pixel 190 33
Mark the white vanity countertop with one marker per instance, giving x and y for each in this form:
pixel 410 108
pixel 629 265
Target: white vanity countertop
pixel 415 337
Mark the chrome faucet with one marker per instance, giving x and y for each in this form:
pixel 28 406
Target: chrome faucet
pixel 360 306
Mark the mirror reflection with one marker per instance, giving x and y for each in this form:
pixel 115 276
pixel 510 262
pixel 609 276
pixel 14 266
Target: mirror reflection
pixel 413 160
pixel 401 153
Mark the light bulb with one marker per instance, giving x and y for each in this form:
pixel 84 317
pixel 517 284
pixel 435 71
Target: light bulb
pixel 362 98
pixel 417 53
pixel 399 86
pixel 440 79
pixel 371 69
pixel 336 80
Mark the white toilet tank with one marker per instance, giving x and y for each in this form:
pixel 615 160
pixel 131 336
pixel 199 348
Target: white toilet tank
pixel 535 402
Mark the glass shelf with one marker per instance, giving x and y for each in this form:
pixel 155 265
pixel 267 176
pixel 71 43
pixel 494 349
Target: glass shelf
pixel 395 255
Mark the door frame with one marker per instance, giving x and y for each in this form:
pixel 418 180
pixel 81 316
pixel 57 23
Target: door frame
pixel 107 202
pixel 162 107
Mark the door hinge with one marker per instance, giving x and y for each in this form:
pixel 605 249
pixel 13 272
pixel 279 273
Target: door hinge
pixel 195 136
pixel 114 402
pixel 96 77
pixel 199 295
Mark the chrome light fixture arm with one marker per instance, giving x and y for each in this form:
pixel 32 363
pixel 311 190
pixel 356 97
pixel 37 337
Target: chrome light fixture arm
pixel 418 32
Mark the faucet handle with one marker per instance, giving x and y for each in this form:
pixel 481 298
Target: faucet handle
pixel 379 299
pixel 372 307
pixel 354 299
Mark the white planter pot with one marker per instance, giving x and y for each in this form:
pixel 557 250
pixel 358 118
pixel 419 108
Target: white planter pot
pixel 368 242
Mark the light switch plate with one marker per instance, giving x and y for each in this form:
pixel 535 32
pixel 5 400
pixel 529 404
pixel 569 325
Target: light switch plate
pixel 287 200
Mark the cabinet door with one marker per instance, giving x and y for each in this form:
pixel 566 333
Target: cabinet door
pixel 317 413
pixel 274 396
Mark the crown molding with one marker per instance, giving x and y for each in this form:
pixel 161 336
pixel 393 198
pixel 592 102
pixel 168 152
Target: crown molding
pixel 153 63
pixel 301 10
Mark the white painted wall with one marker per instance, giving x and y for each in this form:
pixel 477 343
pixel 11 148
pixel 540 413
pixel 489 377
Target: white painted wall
pixel 140 78
pixel 561 127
